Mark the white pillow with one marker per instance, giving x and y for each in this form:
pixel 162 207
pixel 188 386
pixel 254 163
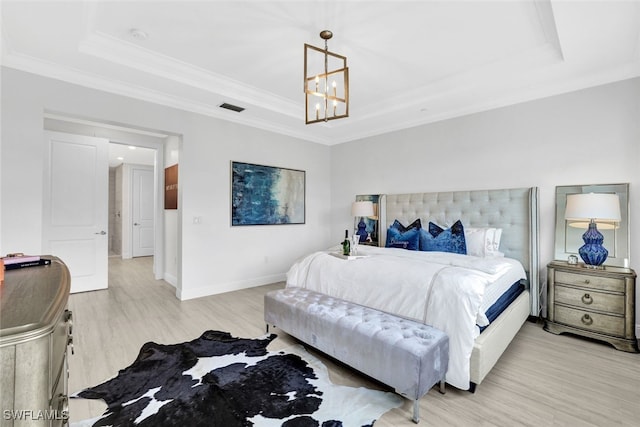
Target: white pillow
pixel 475 239
pixel 483 241
pixel 495 242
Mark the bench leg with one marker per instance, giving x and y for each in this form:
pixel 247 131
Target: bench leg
pixel 416 411
pixel 416 403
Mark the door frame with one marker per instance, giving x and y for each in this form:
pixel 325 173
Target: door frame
pixel 86 123
pixel 158 200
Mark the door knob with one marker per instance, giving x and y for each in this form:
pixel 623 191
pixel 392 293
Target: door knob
pixel 102 233
pixel 135 223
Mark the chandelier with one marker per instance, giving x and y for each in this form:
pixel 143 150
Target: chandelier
pixel 326 83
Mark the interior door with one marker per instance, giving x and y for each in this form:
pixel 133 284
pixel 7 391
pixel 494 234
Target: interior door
pixel 142 213
pixel 75 207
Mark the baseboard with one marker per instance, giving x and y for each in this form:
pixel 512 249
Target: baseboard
pixel 220 288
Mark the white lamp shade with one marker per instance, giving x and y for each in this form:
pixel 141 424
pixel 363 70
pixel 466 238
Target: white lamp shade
pixel 596 206
pixel 362 208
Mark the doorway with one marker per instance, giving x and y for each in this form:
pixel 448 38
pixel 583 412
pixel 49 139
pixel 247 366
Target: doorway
pixel 126 137
pixel 132 200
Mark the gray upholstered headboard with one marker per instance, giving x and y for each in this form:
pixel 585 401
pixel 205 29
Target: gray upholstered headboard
pixel 514 210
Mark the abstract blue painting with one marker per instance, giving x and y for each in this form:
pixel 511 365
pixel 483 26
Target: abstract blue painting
pixel 266 195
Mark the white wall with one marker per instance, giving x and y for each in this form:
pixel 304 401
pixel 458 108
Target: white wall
pixel 215 256
pixel 586 137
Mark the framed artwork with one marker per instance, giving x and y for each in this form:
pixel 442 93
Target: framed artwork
pixel 266 195
pixel 171 187
pixel 371 223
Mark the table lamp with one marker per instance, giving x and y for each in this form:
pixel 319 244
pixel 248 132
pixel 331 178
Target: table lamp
pixel 593 207
pixel 362 209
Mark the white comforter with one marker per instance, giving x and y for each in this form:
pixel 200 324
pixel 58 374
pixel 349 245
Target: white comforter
pixel 440 289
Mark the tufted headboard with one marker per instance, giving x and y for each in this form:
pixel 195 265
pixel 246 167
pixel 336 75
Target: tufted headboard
pixel 514 210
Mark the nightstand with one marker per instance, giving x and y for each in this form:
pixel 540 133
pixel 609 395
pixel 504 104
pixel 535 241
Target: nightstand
pixel 595 303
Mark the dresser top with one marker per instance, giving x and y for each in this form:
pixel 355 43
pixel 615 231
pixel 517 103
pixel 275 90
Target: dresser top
pixel 581 269
pixel 32 299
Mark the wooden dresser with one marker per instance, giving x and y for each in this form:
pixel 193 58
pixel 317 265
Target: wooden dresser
pixel 595 303
pixel 35 331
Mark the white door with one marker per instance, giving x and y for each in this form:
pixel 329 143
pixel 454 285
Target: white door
pixel 142 211
pixel 75 207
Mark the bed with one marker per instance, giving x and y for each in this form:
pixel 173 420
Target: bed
pixel 450 291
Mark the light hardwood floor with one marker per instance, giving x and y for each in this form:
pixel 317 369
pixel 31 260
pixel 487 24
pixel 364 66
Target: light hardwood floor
pixel 541 380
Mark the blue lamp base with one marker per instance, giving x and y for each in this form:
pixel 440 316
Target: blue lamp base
pixel 592 252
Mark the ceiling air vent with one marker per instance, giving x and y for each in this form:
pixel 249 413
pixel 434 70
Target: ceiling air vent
pixel 231 107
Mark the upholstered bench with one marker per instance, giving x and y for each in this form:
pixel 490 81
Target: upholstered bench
pixel 409 356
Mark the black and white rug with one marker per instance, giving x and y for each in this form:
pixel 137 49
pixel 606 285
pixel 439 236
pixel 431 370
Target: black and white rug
pixel 220 380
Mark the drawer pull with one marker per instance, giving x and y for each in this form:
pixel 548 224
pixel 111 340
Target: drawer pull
pixel 587 320
pixel 68 317
pixel 586 299
pixel 63 408
pixel 60 406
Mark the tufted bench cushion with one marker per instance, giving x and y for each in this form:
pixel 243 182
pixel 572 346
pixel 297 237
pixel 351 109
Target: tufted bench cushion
pixel 409 356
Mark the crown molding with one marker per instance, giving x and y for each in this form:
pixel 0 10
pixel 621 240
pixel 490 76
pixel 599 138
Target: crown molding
pixel 70 75
pixel 130 55
pixel 532 92
pixel 357 127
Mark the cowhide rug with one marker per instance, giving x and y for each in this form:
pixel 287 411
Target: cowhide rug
pixel 220 380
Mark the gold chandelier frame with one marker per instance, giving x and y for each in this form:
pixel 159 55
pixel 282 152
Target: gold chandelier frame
pixel 330 103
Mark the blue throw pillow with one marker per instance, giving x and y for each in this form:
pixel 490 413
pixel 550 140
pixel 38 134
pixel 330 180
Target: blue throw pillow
pixel 398 225
pixel 439 239
pixel 408 240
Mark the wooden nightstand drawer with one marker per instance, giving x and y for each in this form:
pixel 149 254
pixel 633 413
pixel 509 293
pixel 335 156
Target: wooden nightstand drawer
pixel 613 284
pixel 602 323
pixel 590 300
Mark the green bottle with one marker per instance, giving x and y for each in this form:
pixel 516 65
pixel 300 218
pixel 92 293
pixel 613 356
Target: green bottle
pixel 346 245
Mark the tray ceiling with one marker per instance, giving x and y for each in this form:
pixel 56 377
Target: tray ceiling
pixel 410 62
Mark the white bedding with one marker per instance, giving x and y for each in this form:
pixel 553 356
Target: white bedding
pixel 497 288
pixel 440 289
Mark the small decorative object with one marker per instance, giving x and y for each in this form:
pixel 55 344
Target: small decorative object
pixel 266 195
pixel 362 209
pixel 346 245
pixel 572 260
pixel 595 208
pixel 355 241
